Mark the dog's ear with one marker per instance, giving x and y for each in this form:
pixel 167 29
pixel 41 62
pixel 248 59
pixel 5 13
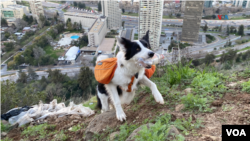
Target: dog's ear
pixel 146 37
pixel 125 43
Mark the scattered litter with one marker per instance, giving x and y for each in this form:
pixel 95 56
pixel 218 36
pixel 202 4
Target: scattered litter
pixel 41 111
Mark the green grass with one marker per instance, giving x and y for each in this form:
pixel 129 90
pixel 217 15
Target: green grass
pixel 167 17
pixel 247 48
pixel 35 35
pixel 246 87
pixel 64 10
pixel 222 37
pixel 53 53
pixel 39 130
pixel 88 103
pixel 130 14
pixel 135 36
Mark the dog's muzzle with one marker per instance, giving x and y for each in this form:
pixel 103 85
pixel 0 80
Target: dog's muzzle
pixel 145 63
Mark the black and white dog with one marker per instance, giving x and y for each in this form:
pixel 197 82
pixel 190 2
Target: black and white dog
pixel 127 67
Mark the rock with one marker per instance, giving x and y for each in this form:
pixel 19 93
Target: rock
pixel 232 84
pixel 210 138
pixel 179 107
pixel 112 135
pixel 100 122
pixel 188 90
pixel 217 103
pixel 172 131
pixel 5 122
pixel 3 134
pixel 75 117
pixel 135 132
pixel 70 129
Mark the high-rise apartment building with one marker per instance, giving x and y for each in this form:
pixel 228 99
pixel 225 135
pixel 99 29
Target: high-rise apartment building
pixel 208 3
pixel 150 18
pixel 242 3
pixel 191 21
pixel 5 3
pixel 111 10
pixel 36 8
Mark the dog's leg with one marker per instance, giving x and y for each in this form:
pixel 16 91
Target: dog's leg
pixel 157 95
pixel 104 101
pixel 127 97
pixel 112 91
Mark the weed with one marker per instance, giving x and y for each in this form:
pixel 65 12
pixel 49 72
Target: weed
pixel 125 131
pixel 6 139
pixel 76 127
pixel 245 73
pixel 227 108
pixel 61 136
pixel 38 130
pixel 192 102
pixel 246 86
pixel 5 128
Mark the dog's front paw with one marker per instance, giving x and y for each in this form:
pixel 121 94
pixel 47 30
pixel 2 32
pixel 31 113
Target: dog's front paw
pixel 121 116
pixel 159 99
pixel 133 88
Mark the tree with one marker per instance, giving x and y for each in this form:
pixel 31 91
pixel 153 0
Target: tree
pixel 6 35
pixel 123 22
pixel 87 81
pixel 220 28
pixel 38 52
pixel 241 30
pixel 22 77
pixel 123 10
pixel 75 4
pixel 229 56
pixel 99 7
pixel 32 74
pixel 9 46
pixel 205 28
pixel 56 76
pixel 209 58
pixel 214 16
pixel 178 15
pixel 21 23
pixel 42 20
pixel 55 89
pixel 4 22
pixel 228 31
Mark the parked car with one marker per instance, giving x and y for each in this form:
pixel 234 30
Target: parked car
pixel 21 49
pixel 99 52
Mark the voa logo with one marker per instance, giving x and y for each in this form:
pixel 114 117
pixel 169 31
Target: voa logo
pixel 236 132
pixel 225 17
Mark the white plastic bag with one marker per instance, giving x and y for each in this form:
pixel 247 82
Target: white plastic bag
pixel 13 120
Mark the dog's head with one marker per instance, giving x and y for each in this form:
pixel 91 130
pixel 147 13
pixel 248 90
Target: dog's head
pixel 136 49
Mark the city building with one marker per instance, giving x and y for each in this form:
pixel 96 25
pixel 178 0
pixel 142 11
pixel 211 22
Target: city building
pixel 86 19
pixel 208 3
pixel 127 33
pixel 5 3
pixel 14 11
pixel 150 18
pixel 111 10
pixel 191 21
pixel 97 32
pixel 36 8
pixel 241 3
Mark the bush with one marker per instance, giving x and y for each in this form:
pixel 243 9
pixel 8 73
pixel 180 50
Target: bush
pixel 227 66
pixel 246 86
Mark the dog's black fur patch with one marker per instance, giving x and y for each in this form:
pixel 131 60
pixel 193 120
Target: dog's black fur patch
pixel 145 40
pixel 101 89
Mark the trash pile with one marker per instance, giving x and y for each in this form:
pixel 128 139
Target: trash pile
pixel 27 114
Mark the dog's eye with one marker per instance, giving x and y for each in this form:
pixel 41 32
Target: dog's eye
pixel 138 49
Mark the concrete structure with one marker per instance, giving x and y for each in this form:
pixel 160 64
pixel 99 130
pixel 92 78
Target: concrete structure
pixel 11 21
pixel 36 8
pixel 191 21
pixel 86 19
pixel 97 32
pixel 241 3
pixel 208 3
pixel 111 10
pixel 150 18
pixel 127 33
pixel 5 3
pixel 14 11
pixel 26 29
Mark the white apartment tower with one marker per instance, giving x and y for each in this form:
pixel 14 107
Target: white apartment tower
pixel 241 3
pixel 111 10
pixel 150 18
pixel 36 8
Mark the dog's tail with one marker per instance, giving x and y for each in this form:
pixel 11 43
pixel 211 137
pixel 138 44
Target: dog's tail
pixel 99 104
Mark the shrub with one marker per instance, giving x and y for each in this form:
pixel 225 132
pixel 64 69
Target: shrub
pixel 194 102
pixel 246 86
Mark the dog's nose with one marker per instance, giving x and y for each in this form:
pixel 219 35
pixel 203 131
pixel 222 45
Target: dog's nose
pixel 151 54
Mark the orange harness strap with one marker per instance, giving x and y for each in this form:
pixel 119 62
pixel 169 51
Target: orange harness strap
pixel 148 73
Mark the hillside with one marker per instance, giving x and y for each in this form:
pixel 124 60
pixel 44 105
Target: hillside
pixel 197 102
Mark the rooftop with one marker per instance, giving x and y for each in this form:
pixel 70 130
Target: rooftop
pixel 82 14
pixel 97 26
pixel 17 6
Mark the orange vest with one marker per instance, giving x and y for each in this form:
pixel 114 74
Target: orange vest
pixel 105 71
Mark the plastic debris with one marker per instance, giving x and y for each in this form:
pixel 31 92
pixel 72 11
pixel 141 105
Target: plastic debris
pixel 42 111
